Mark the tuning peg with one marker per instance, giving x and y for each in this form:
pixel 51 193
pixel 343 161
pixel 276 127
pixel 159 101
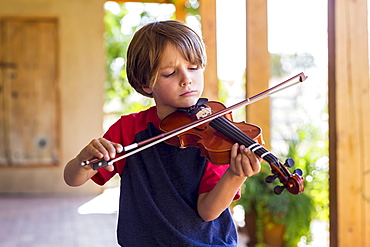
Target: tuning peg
pixel 271 178
pixel 278 190
pixel 298 171
pixel 289 162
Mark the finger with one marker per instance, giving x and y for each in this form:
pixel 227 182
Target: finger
pixel 95 152
pixel 118 147
pixel 245 161
pixel 256 164
pixel 109 168
pixel 234 150
pixel 235 156
pixel 253 160
pixel 101 148
pixel 110 147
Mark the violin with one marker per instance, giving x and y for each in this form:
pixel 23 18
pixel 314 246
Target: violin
pixel 215 139
pixel 209 126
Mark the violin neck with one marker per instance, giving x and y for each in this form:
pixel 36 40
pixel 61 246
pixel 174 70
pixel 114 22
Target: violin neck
pixel 224 126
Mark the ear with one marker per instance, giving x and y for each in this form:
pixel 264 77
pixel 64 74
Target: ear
pixel 148 90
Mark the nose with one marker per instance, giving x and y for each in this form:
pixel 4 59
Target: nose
pixel 185 79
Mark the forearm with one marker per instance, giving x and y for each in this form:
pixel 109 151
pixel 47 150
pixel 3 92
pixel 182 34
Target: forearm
pixel 213 203
pixel 75 174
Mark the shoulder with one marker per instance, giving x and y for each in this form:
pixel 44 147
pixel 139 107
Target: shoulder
pixel 127 126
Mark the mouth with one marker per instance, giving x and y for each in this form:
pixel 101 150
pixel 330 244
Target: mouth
pixel 189 93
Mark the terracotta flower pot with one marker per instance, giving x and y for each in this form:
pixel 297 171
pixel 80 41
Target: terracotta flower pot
pixel 272 233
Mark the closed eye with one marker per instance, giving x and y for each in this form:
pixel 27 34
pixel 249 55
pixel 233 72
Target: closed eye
pixel 168 75
pixel 194 67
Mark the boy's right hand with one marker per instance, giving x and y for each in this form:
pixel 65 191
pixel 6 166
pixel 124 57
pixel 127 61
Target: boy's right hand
pixel 102 149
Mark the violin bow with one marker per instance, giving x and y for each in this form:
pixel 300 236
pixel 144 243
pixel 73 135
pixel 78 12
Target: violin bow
pixel 140 146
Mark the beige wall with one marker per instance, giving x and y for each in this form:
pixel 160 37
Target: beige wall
pixel 81 74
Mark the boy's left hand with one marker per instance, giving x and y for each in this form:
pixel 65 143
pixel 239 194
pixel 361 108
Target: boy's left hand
pixel 244 163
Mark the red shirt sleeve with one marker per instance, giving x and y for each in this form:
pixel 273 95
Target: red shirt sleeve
pixel 212 174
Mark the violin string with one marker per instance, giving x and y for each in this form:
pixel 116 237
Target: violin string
pixel 224 126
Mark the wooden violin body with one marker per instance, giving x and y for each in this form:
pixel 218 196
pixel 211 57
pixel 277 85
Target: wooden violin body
pixel 213 144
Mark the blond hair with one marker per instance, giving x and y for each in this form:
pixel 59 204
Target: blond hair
pixel 146 48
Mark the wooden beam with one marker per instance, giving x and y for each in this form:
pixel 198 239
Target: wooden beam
pixel 181 12
pixel 207 11
pixel 179 4
pixel 349 116
pixel 142 1
pixel 258 65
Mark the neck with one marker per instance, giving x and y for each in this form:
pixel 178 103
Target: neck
pixel 162 113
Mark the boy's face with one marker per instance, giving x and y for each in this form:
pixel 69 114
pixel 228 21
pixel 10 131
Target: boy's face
pixel 179 83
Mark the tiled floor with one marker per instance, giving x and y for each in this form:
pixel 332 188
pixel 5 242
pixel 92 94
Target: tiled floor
pixel 76 221
pixel 53 221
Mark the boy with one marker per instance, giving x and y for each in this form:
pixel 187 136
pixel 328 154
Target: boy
pixel 169 196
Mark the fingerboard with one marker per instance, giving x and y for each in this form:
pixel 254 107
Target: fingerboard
pixel 224 126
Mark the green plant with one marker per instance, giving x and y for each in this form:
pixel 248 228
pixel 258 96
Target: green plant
pixel 308 147
pixel 295 212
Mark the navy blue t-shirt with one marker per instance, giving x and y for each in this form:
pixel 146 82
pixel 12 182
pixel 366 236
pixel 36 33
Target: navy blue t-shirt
pixel 159 193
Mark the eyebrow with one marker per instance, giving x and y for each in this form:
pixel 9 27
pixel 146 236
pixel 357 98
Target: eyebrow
pixel 171 65
pixel 166 67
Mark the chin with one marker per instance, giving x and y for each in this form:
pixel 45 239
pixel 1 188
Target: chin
pixel 190 103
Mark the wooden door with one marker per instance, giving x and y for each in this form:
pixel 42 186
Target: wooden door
pixel 28 92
